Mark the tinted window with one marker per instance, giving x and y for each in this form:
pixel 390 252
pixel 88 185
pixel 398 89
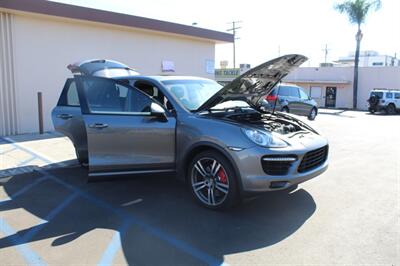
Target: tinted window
pixel 284 91
pixel 397 95
pixel 72 95
pixel 389 95
pixel 378 94
pixel 303 95
pixel 288 91
pixel 106 95
pixel 69 96
pixel 294 92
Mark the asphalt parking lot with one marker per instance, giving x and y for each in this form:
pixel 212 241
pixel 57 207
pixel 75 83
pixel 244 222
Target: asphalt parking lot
pixel 49 214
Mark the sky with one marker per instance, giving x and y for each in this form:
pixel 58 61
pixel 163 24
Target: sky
pixel 272 28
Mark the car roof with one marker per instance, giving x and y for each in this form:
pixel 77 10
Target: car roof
pixel 163 78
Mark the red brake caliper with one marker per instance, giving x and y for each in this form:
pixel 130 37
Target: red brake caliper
pixel 222 176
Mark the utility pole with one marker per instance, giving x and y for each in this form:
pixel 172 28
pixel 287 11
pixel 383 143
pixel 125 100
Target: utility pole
pixel 233 29
pixel 326 51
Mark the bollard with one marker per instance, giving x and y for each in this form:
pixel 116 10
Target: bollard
pixel 40 111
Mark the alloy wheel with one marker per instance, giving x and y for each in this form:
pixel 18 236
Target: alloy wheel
pixel 209 181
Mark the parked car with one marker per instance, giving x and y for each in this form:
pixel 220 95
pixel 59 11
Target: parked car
pixel 384 100
pixel 290 98
pixel 217 139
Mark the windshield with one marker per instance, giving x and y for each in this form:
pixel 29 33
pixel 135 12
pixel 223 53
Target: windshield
pixel 192 93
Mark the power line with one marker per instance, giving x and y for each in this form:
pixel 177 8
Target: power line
pixel 233 29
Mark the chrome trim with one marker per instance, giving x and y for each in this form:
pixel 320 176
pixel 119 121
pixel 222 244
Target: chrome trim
pixel 131 172
pixel 235 148
pixel 278 159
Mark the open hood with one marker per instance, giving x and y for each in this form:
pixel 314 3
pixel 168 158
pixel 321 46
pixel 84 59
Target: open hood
pixel 101 68
pixel 256 82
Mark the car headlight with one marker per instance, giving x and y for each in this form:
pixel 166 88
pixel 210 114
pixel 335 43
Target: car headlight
pixel 264 139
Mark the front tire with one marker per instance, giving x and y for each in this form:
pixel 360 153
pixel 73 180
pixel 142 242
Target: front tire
pixel 212 181
pixel 313 114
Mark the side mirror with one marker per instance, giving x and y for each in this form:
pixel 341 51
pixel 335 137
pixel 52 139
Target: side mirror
pixel 157 111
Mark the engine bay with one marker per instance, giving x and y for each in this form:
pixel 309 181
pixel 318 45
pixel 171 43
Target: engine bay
pixel 278 123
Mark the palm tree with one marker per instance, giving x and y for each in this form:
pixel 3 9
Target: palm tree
pixel 357 11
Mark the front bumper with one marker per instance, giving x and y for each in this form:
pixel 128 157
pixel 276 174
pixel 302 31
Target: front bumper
pixel 253 177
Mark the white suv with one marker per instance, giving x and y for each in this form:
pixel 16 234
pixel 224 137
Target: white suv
pixel 384 100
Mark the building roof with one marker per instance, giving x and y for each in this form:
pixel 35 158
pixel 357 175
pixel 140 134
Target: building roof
pixel 95 15
pixel 311 81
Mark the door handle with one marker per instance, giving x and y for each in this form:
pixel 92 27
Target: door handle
pixel 64 116
pixel 98 125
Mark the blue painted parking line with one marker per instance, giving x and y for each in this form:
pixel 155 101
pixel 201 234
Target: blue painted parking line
pixel 7 151
pixel 114 245
pixel 113 248
pixel 36 156
pixel 30 256
pixel 23 163
pixel 30 234
pixel 181 245
pixel 25 189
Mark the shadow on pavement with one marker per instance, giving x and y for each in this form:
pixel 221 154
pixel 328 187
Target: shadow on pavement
pixel 340 113
pixel 167 228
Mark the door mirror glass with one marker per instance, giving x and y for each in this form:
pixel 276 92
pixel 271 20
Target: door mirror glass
pixel 157 111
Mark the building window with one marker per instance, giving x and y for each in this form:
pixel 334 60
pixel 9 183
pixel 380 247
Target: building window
pixel 377 63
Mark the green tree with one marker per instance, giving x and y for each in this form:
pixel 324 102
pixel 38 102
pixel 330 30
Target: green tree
pixel 357 11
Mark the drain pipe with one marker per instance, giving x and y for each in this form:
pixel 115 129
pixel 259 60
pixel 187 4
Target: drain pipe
pixel 40 111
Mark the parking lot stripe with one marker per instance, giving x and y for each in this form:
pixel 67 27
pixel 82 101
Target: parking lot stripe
pixel 114 245
pixel 25 189
pixel 7 151
pixel 30 257
pixel 23 163
pixel 31 233
pixel 35 154
pixel 181 245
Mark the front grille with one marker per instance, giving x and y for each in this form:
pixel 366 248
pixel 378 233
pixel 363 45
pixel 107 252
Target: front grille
pixel 277 164
pixel 313 159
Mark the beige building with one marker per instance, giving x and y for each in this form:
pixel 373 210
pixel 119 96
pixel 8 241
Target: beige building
pixel 38 39
pixel 333 86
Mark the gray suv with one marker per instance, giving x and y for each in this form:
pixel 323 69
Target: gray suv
pixel 217 139
pixel 290 98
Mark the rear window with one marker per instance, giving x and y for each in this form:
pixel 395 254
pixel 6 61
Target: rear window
pixel 397 95
pixel 389 95
pixel 378 94
pixel 288 91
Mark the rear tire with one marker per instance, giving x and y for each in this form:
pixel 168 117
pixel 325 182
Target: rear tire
pixel 391 109
pixel 285 109
pixel 212 181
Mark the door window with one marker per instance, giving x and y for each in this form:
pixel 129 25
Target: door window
pixel 389 95
pixel 294 92
pixel 284 91
pixel 110 96
pixel 69 96
pixel 303 95
pixel 397 95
